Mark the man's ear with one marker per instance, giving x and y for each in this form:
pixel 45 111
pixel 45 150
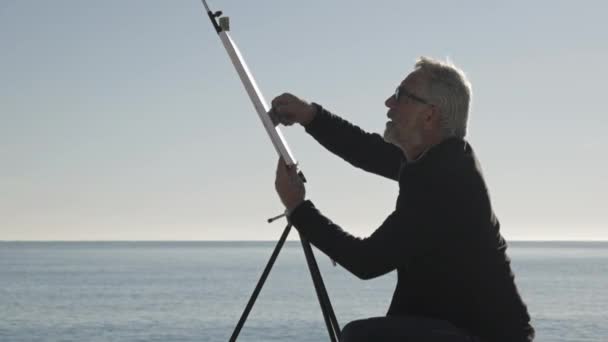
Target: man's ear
pixel 432 116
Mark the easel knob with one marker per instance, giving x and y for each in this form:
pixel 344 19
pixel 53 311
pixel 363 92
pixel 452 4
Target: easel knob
pixel 225 23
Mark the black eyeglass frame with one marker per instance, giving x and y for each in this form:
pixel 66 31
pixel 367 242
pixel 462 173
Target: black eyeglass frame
pixel 401 91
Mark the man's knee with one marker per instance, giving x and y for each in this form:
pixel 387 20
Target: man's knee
pixel 350 332
pixel 356 331
pixel 401 329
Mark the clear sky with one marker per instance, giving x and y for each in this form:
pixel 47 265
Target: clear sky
pixel 124 120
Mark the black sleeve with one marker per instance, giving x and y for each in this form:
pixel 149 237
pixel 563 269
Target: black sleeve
pixel 367 151
pixel 380 253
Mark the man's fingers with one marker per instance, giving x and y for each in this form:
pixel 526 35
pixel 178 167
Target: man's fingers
pixel 281 99
pixel 285 172
pixel 286 119
pixel 279 115
pixel 280 167
pixel 281 170
pixel 291 173
pixel 275 102
pixel 273 117
pixel 282 110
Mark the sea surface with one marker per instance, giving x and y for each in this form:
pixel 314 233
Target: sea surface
pixel 196 291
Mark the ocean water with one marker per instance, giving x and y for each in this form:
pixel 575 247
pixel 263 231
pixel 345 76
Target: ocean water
pixel 196 291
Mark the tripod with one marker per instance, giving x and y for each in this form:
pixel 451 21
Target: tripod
pixel 331 323
pixel 222 27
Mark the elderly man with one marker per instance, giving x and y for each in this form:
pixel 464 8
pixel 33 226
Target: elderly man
pixel 454 278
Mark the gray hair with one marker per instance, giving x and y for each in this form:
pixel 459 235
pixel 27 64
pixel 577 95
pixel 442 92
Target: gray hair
pixel 448 89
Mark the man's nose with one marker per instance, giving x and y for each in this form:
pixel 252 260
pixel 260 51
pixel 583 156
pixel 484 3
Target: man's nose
pixel 390 102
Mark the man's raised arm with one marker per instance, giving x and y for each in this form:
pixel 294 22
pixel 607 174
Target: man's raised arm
pixel 367 151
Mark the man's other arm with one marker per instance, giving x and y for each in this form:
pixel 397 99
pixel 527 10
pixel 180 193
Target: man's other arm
pixel 383 251
pixel 367 151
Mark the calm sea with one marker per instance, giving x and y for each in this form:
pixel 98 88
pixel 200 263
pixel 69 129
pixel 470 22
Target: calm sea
pixel 196 291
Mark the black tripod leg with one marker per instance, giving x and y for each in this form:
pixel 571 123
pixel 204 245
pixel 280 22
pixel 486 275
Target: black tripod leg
pixel 328 312
pixel 258 287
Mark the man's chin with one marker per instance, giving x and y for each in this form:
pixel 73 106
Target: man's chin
pixel 389 136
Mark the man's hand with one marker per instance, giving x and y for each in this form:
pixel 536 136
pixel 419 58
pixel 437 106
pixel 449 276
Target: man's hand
pixel 288 109
pixel 289 186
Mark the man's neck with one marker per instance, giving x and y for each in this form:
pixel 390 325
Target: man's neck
pixel 414 153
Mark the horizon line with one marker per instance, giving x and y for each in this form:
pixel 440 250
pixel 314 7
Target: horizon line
pixel 288 240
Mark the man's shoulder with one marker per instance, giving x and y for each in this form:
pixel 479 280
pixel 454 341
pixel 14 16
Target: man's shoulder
pixel 454 156
pixel 457 170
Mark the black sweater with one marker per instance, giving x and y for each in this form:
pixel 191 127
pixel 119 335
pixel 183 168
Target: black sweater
pixel 442 238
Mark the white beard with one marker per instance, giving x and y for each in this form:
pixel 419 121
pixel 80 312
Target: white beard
pixel 392 135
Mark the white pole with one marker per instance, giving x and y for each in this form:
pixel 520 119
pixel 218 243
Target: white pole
pixel 255 95
pixel 257 99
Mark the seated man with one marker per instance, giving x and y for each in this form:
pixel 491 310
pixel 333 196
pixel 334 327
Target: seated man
pixel 454 278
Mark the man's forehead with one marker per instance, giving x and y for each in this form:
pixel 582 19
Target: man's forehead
pixel 415 80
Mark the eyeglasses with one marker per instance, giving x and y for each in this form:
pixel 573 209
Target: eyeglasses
pixel 402 92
